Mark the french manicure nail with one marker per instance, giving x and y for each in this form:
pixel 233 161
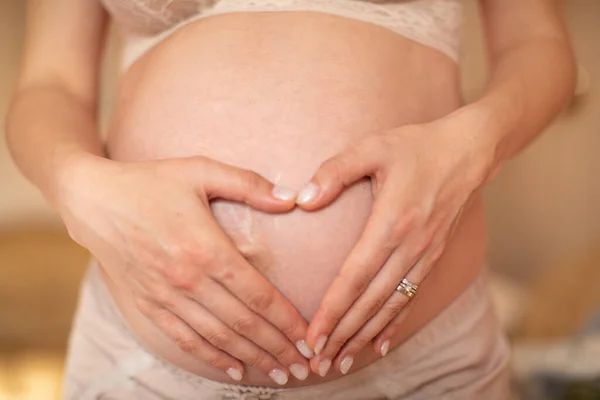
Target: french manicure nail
pixel 308 193
pixel 278 376
pixel 320 344
pixel 346 364
pixel 299 371
pixel 304 350
pixel 283 193
pixel 324 367
pixel 385 346
pixel 234 374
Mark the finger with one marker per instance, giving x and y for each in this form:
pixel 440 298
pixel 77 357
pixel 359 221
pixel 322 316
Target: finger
pixel 219 180
pixel 216 299
pixel 364 261
pixel 345 357
pixel 222 337
pixel 393 309
pixel 229 268
pixel 188 340
pixel 372 302
pixel 334 175
pixel 417 274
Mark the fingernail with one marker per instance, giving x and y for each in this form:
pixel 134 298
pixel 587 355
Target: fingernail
pixel 283 193
pixel 385 346
pixel 299 371
pixel 234 374
pixel 320 343
pixel 279 376
pixel 346 364
pixel 308 193
pixel 304 350
pixel 324 367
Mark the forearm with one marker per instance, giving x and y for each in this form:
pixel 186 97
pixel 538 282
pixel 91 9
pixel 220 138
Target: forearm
pixel 530 85
pixel 46 129
pixel 532 78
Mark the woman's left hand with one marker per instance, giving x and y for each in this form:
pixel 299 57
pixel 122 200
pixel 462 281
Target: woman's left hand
pixel 422 177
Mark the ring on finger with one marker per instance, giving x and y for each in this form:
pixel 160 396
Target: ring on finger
pixel 407 288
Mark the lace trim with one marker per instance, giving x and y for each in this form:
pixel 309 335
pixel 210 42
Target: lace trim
pixel 434 23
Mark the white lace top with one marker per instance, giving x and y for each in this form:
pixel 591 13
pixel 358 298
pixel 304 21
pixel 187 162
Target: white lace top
pixel 434 23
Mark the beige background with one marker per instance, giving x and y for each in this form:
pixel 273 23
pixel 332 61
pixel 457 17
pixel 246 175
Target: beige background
pixel 545 205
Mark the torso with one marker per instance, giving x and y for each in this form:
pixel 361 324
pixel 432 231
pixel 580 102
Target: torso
pixel 279 93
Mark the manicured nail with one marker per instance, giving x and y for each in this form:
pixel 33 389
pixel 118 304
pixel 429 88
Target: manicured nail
pixel 308 193
pixel 279 376
pixel 283 193
pixel 346 364
pixel 299 371
pixel 324 367
pixel 304 350
pixel 320 343
pixel 234 374
pixel 385 346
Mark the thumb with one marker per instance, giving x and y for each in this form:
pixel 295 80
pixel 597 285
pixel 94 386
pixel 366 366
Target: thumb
pixel 220 180
pixel 336 174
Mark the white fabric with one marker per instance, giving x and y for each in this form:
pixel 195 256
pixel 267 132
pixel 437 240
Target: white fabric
pixel 434 23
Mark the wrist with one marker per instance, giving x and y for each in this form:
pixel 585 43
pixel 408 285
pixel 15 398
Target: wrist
pixel 68 170
pixel 483 127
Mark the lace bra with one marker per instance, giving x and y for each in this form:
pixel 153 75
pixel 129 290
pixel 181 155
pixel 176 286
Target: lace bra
pixel 434 23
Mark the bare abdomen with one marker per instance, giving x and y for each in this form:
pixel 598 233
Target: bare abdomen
pixel 277 93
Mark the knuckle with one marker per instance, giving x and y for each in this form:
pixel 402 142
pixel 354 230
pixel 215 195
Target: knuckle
pixel 188 345
pixel 142 305
pixel 337 341
pixel 245 325
pixel 359 283
pixel 220 340
pixel 162 295
pixel 215 359
pixel 332 316
pixel 165 319
pixel 261 301
pixel 370 309
pixel 394 307
pixel 289 328
pixel 183 277
pixel 414 217
pixel 249 181
pixel 281 352
pixel 200 254
pixel 360 341
pixel 192 252
pixel 398 230
pixel 222 273
pixel 256 359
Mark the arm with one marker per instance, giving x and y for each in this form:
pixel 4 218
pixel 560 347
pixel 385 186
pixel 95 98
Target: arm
pixel 533 75
pixel 53 114
pixel 448 159
pixel 178 267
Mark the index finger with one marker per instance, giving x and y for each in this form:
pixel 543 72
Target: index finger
pixel 364 261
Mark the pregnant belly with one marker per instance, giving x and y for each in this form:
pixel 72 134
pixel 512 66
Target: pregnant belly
pixel 278 93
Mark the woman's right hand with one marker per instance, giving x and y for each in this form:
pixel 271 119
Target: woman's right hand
pixel 150 226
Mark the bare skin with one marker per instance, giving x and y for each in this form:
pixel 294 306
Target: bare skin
pixel 215 107
pixel 257 103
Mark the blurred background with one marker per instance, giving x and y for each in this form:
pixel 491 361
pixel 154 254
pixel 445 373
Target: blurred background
pixel 543 213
